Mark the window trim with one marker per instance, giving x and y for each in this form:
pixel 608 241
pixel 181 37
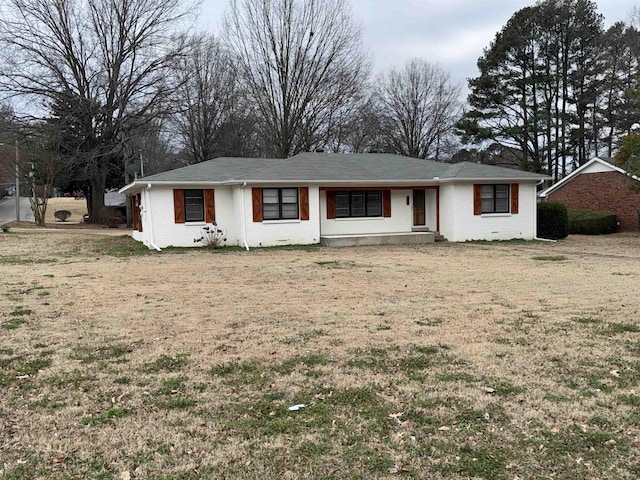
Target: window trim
pixel 494 198
pixel 366 203
pixel 280 204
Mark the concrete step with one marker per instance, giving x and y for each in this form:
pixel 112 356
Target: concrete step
pixel 439 237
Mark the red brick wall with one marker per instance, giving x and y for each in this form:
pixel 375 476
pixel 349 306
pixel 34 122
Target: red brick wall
pixel 604 191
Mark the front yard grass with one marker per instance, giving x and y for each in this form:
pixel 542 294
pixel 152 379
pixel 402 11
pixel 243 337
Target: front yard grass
pixel 491 364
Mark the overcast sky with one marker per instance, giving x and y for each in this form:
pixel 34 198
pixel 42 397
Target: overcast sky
pixel 450 32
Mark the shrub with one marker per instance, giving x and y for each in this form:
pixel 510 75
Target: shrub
pixel 553 221
pixel 212 236
pixel 586 222
pixel 62 215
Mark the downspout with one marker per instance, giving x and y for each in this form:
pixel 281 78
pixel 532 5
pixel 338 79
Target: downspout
pixel 244 227
pixel 150 222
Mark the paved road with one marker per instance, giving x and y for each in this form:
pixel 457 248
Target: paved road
pixel 8 210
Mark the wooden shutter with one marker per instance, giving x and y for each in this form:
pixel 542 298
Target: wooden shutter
pixel 304 203
pixel 136 221
pixel 178 205
pixel 209 206
pixel 514 198
pixel 477 199
pixel 256 200
pixel 386 203
pixel 331 204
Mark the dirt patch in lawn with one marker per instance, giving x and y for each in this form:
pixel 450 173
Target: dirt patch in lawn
pixel 495 360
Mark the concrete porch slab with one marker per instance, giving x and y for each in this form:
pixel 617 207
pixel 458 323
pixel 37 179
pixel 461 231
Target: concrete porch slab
pixel 378 239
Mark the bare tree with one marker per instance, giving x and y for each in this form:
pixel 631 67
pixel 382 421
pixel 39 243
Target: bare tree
pixel 301 61
pixel 208 101
pixel 100 65
pixel 420 105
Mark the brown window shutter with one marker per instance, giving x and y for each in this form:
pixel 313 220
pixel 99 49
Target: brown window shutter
pixel 514 197
pixel 304 203
pixel 256 200
pixel 386 203
pixel 477 199
pixel 331 204
pixel 178 205
pixel 209 206
pixel 139 205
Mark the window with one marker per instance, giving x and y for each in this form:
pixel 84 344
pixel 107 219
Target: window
pixel 359 203
pixel 194 206
pixel 495 198
pixel 280 203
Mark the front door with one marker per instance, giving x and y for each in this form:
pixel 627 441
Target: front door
pixel 419 208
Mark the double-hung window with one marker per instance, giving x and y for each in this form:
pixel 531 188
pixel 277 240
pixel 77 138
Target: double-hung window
pixel 358 203
pixel 280 203
pixel 194 205
pixel 495 198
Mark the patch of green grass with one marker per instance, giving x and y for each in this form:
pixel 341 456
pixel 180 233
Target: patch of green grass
pixel 429 322
pixel 123 246
pixel 167 363
pixel 556 398
pixel 463 377
pixel 20 312
pixel 75 379
pixel 309 361
pixel 48 403
pixel 177 403
pixel 13 323
pixel 89 355
pixel 6 351
pixel 587 320
pixel 549 258
pixel 122 381
pixel 171 386
pixel 617 328
pixel 105 417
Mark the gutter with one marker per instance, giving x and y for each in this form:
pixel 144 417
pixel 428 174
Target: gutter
pixel 148 203
pixel 244 227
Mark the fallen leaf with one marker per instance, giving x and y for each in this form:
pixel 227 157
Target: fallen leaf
pixel 636 443
pixel 125 475
pixel 444 428
pixel 489 390
pixel 615 373
pixel 610 442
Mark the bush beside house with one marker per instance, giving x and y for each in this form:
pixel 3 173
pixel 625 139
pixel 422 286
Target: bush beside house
pixel 553 221
pixel 587 222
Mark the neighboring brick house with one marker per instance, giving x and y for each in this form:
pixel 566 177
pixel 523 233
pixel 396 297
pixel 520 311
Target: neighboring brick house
pixel 599 185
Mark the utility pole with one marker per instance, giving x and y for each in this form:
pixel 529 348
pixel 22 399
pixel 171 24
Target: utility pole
pixel 17 184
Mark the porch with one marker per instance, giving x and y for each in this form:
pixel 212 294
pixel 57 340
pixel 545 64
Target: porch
pixel 399 238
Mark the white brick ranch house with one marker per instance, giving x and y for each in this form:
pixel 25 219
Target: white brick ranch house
pixel 334 199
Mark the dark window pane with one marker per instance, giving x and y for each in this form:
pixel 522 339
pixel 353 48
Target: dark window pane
pixel 270 195
pixel 290 195
pixel 290 210
pixel 358 204
pixel 342 204
pixel 502 191
pixel 270 211
pixel 374 203
pixel 502 205
pixel 193 206
pixel 487 191
pixel 487 205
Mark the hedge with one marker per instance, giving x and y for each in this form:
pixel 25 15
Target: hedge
pixel 587 222
pixel 553 221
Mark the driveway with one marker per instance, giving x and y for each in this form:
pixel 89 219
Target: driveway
pixel 8 210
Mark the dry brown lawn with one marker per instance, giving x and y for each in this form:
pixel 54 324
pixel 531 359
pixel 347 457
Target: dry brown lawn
pixel 498 361
pixel 78 208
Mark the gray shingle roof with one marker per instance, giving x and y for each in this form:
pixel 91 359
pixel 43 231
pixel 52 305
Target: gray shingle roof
pixel 336 168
